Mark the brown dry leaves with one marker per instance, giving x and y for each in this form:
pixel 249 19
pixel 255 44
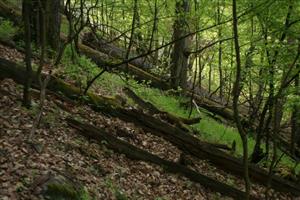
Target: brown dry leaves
pixel 101 171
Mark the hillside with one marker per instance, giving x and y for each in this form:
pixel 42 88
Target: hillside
pixel 201 104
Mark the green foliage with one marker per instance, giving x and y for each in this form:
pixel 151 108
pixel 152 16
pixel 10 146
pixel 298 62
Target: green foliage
pixel 7 30
pixel 79 68
pixel 66 192
pixel 119 195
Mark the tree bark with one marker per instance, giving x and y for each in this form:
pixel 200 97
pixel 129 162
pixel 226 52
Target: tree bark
pixel 180 57
pixel 27 4
pixel 46 14
pixel 295 140
pixel 236 93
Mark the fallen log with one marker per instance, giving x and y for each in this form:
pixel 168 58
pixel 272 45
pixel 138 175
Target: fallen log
pixel 203 150
pixel 16 72
pixel 99 44
pixel 154 110
pixel 133 152
pixel 107 62
pixel 180 122
pixel 188 143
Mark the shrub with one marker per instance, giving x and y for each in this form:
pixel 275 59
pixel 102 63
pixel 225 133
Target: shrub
pixel 7 30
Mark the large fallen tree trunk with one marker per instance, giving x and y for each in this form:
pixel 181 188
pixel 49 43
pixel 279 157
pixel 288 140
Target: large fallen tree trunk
pixel 186 142
pixel 179 122
pixel 133 152
pixel 105 61
pixel 97 43
pixel 154 110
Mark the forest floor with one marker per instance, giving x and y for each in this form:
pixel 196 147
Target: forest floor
pixel 59 151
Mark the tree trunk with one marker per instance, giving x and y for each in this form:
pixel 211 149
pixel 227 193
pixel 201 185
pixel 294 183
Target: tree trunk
pixel 93 40
pixel 221 81
pixel 236 93
pixel 26 18
pixel 179 64
pixel 296 117
pixel 46 14
pixel 53 28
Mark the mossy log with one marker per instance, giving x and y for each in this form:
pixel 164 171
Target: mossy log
pixel 133 152
pixel 100 44
pixel 17 72
pixel 105 61
pixel 185 142
pixel 173 119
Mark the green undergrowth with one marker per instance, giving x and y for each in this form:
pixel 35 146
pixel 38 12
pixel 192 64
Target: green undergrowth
pixel 111 84
pixel 7 30
pixel 66 192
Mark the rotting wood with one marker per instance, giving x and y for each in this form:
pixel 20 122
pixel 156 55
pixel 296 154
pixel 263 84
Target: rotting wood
pixel 154 110
pixel 98 43
pixel 145 105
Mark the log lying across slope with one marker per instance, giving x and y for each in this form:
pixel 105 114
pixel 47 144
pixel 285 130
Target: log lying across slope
pixel 97 43
pixel 175 135
pixel 145 105
pixel 133 152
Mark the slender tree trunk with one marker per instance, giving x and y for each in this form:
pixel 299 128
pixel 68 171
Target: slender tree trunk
pixel 221 81
pixel 210 77
pixel 236 94
pixel 26 19
pixel 295 140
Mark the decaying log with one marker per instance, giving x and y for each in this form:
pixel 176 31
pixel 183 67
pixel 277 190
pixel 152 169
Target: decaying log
pixel 203 150
pixel 154 110
pixel 183 141
pixel 16 72
pixel 180 122
pixel 133 152
pixel 97 43
pixel 107 62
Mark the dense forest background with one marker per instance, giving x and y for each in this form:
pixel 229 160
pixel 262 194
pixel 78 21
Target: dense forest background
pixel 218 79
